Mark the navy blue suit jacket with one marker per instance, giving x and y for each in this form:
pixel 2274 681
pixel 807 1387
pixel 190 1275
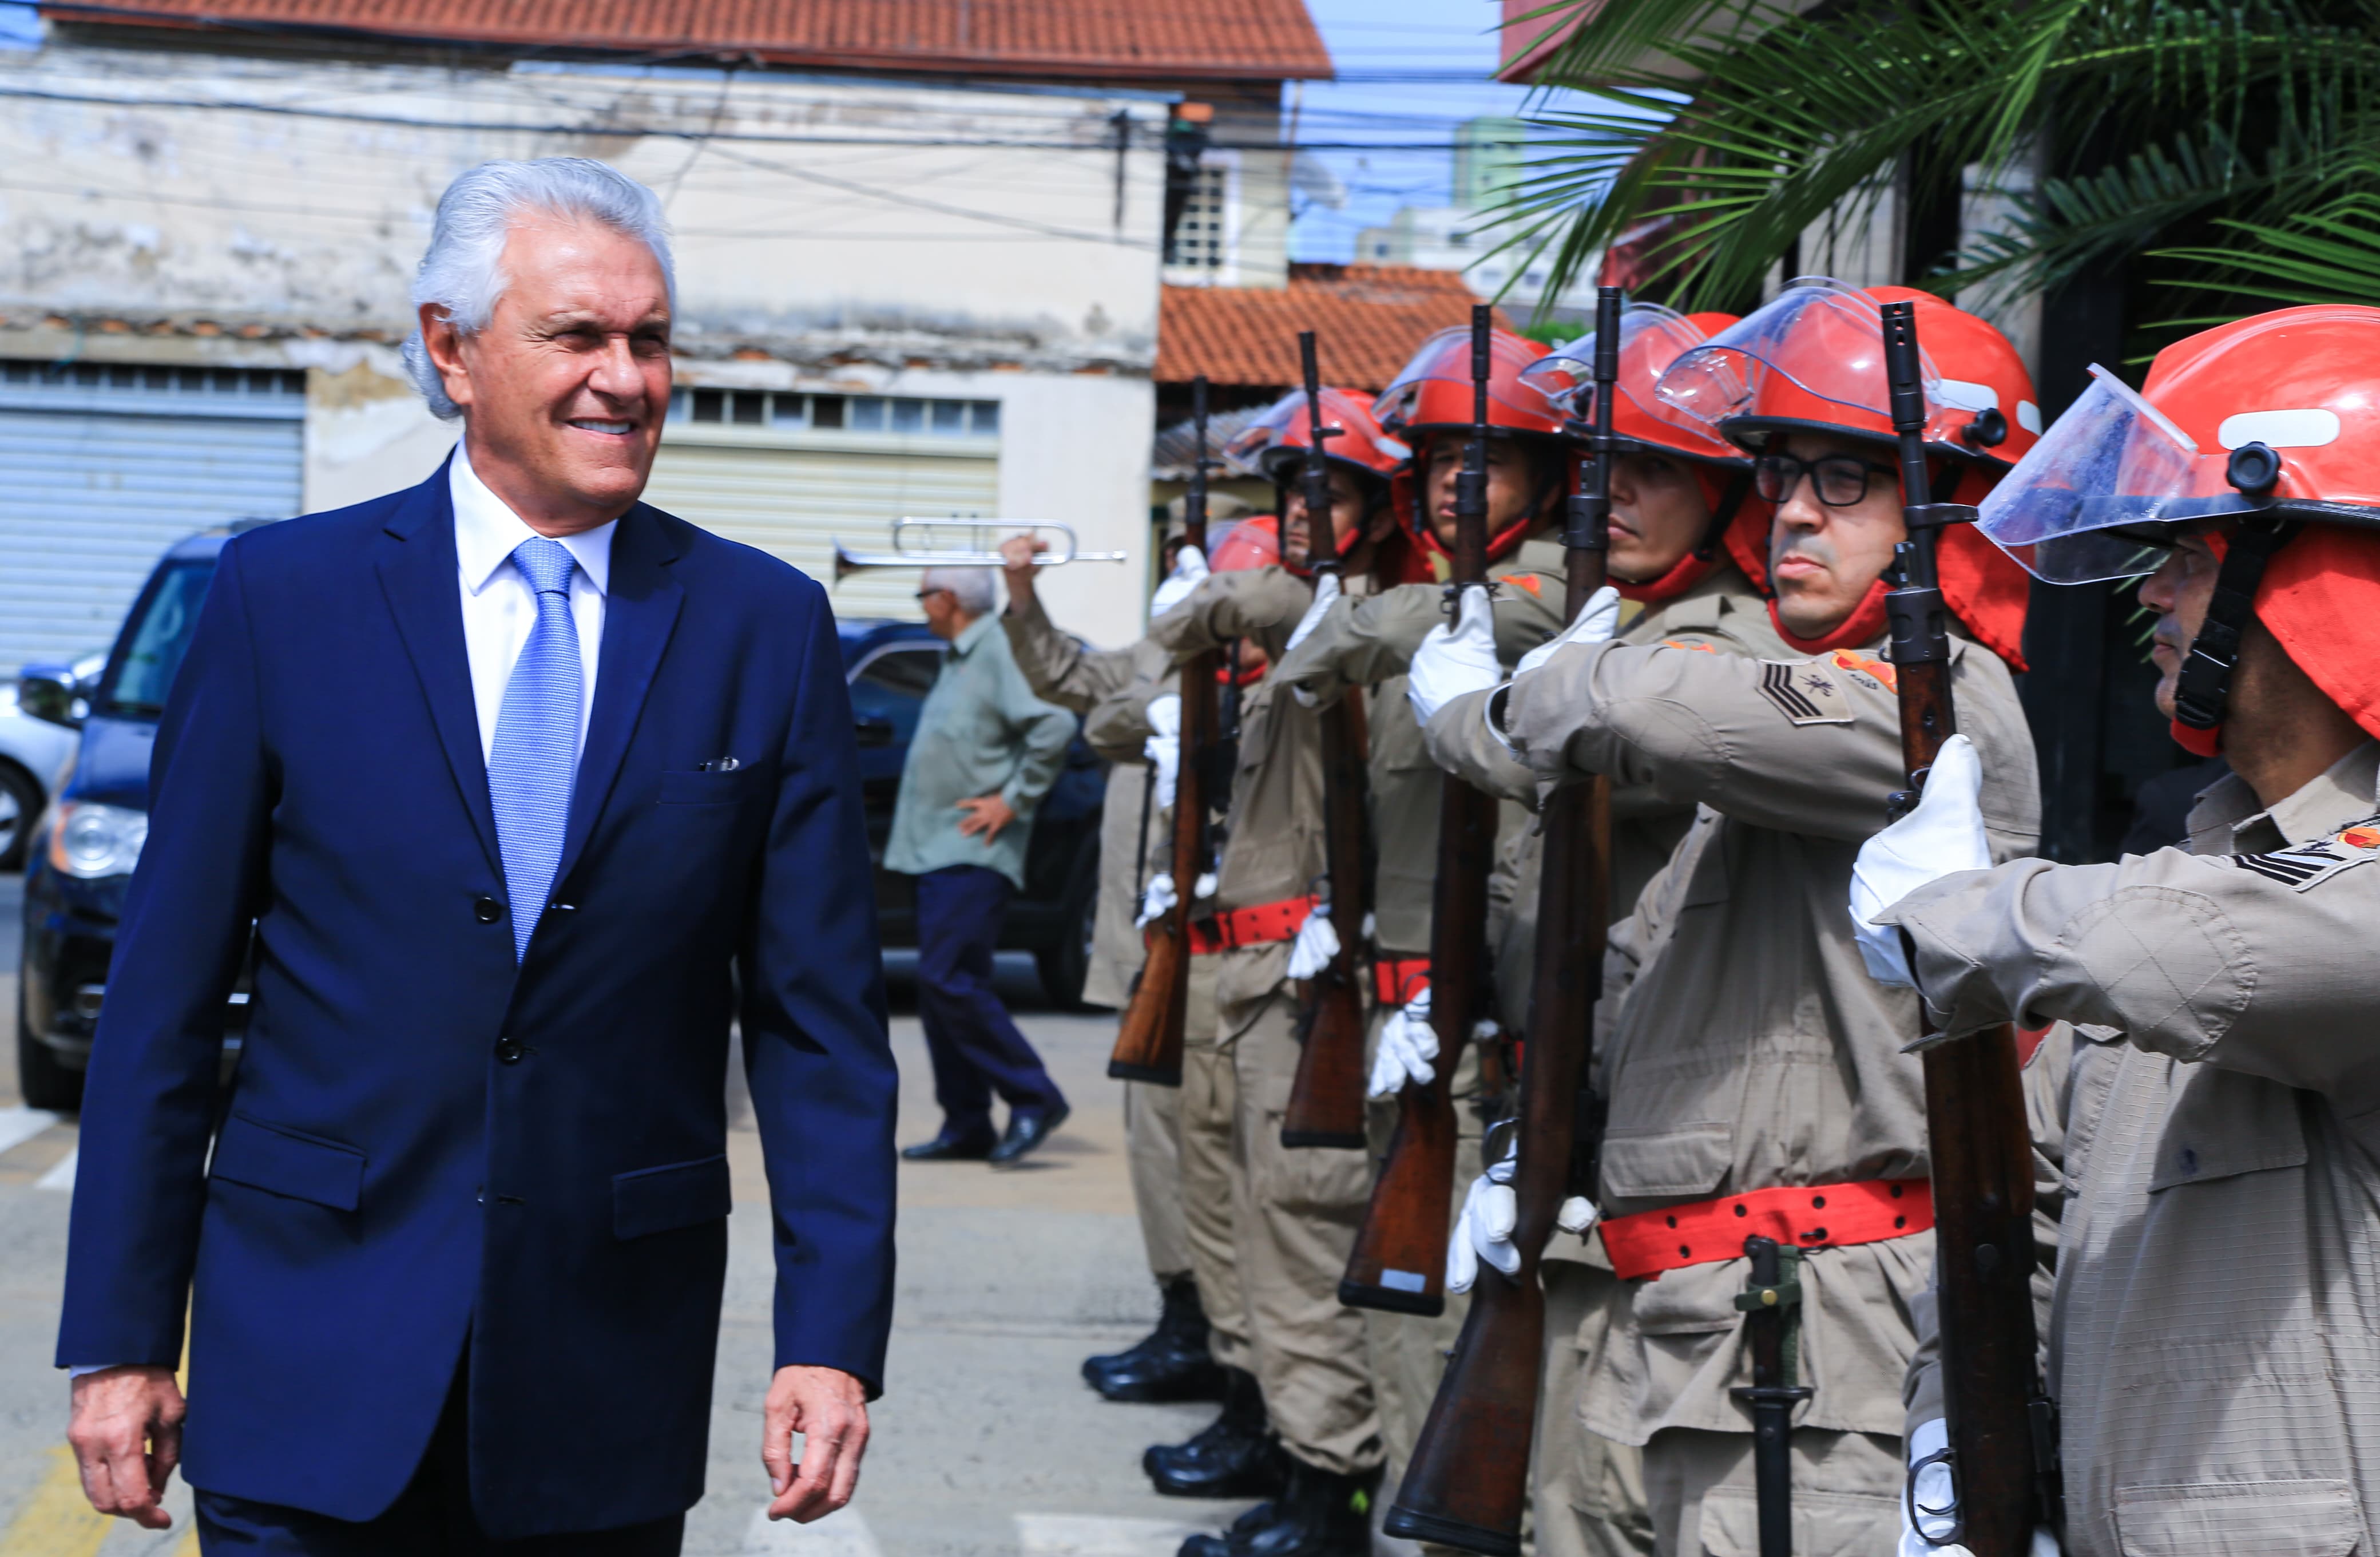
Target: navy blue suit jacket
pixel 426 1146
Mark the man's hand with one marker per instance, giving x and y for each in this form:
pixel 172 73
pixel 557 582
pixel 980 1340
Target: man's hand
pixel 127 1433
pixel 828 1408
pixel 985 814
pixel 1018 567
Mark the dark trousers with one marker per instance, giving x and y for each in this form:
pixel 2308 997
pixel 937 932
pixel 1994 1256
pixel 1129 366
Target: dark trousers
pixel 431 1517
pixel 977 1050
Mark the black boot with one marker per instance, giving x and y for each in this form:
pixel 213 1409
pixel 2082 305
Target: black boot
pixel 1317 1514
pixel 1169 1364
pixel 1234 1457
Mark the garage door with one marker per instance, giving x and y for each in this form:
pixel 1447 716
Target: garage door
pixel 107 465
pixel 791 487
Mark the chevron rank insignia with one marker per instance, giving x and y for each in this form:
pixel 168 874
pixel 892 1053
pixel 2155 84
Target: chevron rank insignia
pixel 1805 691
pixel 2308 865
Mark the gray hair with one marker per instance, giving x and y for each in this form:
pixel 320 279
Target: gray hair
pixel 971 585
pixel 462 274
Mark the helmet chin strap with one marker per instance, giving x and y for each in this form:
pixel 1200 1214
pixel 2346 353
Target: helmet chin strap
pixel 2204 688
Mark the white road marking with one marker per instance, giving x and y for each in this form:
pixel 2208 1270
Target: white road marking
pixel 60 1177
pixel 21 1124
pixel 843 1534
pixel 1091 1535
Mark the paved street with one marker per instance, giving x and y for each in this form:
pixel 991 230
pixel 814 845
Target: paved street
pixel 987 1441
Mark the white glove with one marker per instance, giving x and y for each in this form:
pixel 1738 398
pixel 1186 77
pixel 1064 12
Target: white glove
pixel 1316 944
pixel 1943 836
pixel 1936 1499
pixel 1453 661
pixel 1155 899
pixel 1189 569
pixel 1204 887
pixel 1484 1230
pixel 1325 591
pixel 1163 747
pixel 1408 1051
pixel 1597 620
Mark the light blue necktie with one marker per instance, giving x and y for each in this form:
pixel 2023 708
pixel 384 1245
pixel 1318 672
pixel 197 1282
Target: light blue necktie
pixel 535 760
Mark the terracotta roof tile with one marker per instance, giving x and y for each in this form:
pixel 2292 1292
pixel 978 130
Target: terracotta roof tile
pixel 1367 320
pixel 1090 39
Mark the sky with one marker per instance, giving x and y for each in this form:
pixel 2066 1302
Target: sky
pixel 1410 70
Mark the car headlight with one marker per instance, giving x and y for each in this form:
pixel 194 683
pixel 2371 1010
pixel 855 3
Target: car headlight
pixel 90 840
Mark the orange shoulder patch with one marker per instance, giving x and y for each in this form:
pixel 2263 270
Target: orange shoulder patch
pixel 1867 665
pixel 1528 581
pixel 1697 648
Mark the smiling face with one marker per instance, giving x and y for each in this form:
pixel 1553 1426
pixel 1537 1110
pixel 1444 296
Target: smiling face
pixel 1657 514
pixel 1822 559
pixel 563 393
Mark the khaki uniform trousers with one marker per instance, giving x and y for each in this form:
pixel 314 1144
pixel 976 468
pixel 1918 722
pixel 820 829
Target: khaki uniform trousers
pixel 1207 1108
pixel 1846 1493
pixel 1152 1139
pixel 1296 1230
pixel 1587 1491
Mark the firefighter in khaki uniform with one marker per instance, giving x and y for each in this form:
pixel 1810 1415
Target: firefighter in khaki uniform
pixel 1296 1222
pixel 1682 513
pixel 1181 1358
pixel 1753 1074
pixel 2210 1129
pixel 1368 644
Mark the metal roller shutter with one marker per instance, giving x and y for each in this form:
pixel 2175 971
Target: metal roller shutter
pixel 793 502
pixel 107 467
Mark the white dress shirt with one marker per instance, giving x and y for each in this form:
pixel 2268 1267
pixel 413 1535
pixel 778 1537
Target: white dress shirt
pixel 499 608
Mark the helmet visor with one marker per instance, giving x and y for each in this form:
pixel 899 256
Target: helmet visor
pixel 1284 425
pixel 1651 337
pixel 1445 357
pixel 1817 336
pixel 2095 499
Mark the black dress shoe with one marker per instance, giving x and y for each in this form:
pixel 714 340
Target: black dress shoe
pixel 1236 1457
pixel 1319 1514
pixel 1169 1364
pixel 949 1148
pixel 1026 1131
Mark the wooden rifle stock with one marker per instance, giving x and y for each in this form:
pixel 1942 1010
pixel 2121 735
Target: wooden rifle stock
pixel 1325 1102
pixel 1978 1138
pixel 1399 1262
pixel 1467 1485
pixel 1148 1041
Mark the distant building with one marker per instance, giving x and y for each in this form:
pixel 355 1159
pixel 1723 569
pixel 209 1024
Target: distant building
pixel 1490 157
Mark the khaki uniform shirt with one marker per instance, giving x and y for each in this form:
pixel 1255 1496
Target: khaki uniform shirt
pixel 1722 615
pixel 1753 1050
pixel 1274 847
pixel 1369 643
pixel 2211 1155
pixel 1136 834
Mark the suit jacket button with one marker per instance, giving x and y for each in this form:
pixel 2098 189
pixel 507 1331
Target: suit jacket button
pixel 509 1050
pixel 486 909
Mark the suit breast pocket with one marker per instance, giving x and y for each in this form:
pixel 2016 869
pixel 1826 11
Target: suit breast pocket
pixel 710 788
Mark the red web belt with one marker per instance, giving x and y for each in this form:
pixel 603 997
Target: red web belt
pixel 1250 926
pixel 1811 1216
pixel 1397 980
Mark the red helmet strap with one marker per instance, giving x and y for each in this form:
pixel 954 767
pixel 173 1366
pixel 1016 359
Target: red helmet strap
pixel 1739 487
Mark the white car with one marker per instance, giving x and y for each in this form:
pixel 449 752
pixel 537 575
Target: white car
pixel 33 758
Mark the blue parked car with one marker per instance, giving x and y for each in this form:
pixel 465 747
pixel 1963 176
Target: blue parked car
pixel 82 853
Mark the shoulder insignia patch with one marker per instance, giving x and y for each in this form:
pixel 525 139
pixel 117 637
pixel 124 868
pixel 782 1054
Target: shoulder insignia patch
pixel 1528 581
pixel 1804 691
pixel 1868 665
pixel 1680 643
pixel 2308 865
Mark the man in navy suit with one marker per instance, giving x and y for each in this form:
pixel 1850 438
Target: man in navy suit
pixel 527 790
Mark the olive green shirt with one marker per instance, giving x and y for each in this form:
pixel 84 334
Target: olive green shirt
pixel 981 732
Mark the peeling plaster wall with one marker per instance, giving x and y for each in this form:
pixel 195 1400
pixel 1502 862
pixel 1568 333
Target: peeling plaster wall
pixel 831 234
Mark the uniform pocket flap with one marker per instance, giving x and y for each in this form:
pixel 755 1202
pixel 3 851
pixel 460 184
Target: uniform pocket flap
pixel 2226 1123
pixel 1825 1524
pixel 1690 1160
pixel 660 1200
pixel 284 1162
pixel 708 788
pixel 2240 1518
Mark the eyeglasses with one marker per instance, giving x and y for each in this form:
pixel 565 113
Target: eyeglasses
pixel 1839 479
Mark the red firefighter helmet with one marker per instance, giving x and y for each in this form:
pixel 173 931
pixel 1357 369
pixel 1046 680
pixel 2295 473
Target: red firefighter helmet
pixel 1236 545
pixel 2273 419
pixel 1431 396
pixel 1273 444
